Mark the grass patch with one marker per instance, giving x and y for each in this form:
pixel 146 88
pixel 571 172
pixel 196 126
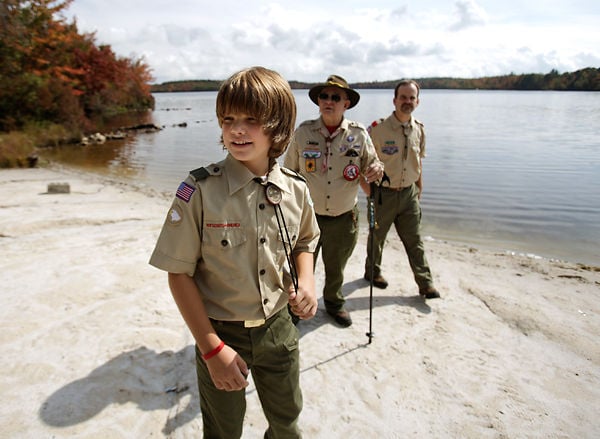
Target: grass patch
pixel 19 149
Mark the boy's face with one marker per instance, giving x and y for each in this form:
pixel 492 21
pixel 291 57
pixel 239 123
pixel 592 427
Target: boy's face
pixel 246 140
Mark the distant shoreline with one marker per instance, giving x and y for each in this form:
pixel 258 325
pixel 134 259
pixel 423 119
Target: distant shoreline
pixel 587 79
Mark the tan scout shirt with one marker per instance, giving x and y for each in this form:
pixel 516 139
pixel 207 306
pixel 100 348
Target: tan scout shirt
pixel 400 149
pixel 331 163
pixel 223 231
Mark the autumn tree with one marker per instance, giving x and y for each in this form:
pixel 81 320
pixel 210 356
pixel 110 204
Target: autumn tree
pixel 51 72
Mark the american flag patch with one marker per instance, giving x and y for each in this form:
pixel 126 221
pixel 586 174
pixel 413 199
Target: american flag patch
pixel 185 191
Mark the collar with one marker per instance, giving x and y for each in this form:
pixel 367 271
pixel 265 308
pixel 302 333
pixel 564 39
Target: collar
pixel 397 125
pixel 238 176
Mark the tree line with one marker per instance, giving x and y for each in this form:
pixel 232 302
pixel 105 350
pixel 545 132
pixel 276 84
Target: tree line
pixel 51 73
pixel 587 79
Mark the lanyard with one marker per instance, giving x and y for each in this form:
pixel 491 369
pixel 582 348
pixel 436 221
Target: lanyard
pixel 273 195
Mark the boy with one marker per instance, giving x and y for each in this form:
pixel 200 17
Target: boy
pixel 225 243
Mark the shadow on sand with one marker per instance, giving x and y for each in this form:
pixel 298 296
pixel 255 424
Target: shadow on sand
pixel 161 380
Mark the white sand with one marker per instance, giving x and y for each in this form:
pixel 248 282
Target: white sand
pixel 93 346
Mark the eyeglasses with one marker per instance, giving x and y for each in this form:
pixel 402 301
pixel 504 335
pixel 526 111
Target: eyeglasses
pixel 334 98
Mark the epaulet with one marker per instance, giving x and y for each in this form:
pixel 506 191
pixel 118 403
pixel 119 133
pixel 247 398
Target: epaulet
pixel 418 122
pixel 306 122
pixel 374 124
pixel 356 124
pixel 202 173
pixel 292 173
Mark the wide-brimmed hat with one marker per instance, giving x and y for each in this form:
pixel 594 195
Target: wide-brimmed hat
pixel 334 81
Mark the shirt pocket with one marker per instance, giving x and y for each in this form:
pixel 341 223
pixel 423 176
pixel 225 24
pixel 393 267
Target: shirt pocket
pixel 223 249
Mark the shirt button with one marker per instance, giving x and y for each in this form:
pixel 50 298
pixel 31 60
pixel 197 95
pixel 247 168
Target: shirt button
pixel 262 272
pixel 224 243
pixel 263 240
pixel 265 301
pixel 261 206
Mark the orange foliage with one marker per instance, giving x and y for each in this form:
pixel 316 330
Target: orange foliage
pixel 48 66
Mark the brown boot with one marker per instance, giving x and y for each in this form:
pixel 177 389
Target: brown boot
pixel 378 280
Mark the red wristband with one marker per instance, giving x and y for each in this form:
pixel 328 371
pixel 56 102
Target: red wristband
pixel 214 352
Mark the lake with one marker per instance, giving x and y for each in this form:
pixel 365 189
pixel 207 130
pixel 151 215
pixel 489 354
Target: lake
pixel 509 170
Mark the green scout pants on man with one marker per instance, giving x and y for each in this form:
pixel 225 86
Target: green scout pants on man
pixel 401 208
pixel 271 352
pixel 339 235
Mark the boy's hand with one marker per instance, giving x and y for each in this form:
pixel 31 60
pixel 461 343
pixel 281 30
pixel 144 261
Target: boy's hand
pixel 228 370
pixel 303 302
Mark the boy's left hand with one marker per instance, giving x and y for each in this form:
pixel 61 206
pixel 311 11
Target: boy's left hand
pixel 303 302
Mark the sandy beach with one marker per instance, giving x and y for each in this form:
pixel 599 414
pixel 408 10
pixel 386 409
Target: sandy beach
pixel 94 347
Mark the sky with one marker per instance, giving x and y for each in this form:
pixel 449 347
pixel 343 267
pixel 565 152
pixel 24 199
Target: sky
pixel 374 40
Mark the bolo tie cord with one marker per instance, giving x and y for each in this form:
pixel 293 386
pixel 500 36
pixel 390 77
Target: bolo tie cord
pixel 282 226
pixel 288 254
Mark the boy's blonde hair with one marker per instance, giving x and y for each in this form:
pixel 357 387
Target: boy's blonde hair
pixel 265 95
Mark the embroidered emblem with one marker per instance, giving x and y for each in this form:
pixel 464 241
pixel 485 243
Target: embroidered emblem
pixel 175 216
pixel 351 172
pixel 310 154
pixel 310 165
pixel 223 225
pixel 185 191
pixel 390 150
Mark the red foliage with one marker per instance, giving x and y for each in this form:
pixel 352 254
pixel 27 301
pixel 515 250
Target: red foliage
pixel 48 66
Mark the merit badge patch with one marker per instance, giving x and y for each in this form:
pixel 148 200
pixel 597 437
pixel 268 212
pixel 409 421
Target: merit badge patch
pixel 351 172
pixel 185 191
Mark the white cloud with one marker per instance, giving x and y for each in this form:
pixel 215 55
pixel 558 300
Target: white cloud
pixel 363 42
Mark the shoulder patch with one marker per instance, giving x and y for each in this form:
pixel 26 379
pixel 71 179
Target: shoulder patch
pixel 374 124
pixel 292 173
pixel 185 192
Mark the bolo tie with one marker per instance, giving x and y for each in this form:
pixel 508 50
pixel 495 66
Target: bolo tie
pixel 273 196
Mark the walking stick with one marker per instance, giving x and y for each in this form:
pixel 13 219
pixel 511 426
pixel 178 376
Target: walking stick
pixel 371 214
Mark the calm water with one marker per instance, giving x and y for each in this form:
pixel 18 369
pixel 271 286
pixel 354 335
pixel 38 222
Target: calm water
pixel 517 171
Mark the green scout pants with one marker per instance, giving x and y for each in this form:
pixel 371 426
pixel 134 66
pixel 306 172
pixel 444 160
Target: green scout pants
pixel 401 208
pixel 339 235
pixel 271 352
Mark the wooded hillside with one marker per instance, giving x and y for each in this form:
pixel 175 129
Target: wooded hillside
pixel 587 79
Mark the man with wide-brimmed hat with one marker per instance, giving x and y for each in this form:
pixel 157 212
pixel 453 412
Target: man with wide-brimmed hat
pixel 334 154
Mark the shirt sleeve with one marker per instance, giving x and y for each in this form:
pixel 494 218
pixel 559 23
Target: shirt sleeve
pixel 309 228
pixel 369 153
pixel 178 248
pixel 291 157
